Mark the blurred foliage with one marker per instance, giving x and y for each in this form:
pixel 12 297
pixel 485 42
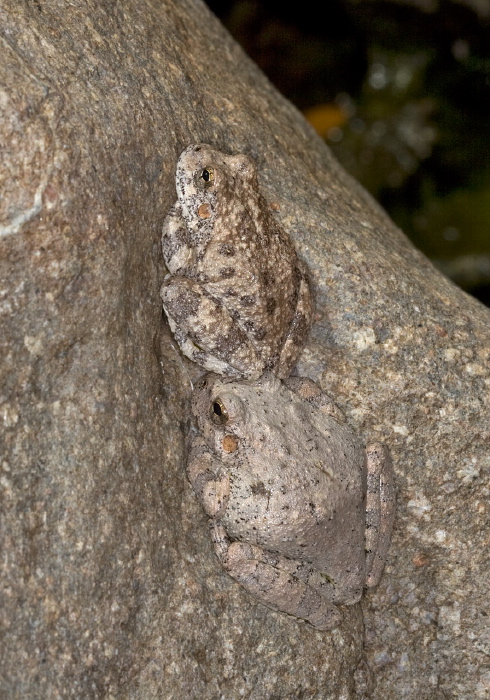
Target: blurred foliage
pixel 402 97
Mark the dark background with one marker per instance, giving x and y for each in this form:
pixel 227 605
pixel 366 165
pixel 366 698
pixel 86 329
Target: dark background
pixel 402 96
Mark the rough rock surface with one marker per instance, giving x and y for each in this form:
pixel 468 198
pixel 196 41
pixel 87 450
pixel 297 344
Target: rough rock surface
pixel 110 587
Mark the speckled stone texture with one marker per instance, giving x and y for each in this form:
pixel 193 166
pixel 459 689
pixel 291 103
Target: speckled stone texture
pixel 110 587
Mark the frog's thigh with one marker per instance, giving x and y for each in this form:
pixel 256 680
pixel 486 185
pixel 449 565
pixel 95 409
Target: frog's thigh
pixel 261 574
pixel 380 510
pixel 205 330
pixel 298 331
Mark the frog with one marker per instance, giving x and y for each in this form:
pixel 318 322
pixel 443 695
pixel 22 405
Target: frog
pixel 237 296
pixel 301 512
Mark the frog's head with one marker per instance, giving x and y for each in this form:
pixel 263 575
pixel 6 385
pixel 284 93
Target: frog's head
pixel 229 411
pixel 209 182
pixel 220 413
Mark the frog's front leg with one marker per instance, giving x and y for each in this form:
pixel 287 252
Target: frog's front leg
pixel 380 510
pixel 176 247
pixel 280 583
pixel 211 486
pixel 206 331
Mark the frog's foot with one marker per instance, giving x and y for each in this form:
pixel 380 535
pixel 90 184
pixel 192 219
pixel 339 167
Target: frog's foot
pixel 271 579
pixel 206 332
pixel 309 390
pixel 380 510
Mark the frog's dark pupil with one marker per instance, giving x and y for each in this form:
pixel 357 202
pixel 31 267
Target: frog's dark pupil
pixel 217 409
pixel 206 176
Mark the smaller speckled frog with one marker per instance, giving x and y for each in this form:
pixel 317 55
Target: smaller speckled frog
pixel 301 513
pixel 237 297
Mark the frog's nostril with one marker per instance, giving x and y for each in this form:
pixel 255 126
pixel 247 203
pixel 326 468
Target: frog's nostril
pixel 230 443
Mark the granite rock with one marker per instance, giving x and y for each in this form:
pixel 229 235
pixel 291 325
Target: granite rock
pixel 110 587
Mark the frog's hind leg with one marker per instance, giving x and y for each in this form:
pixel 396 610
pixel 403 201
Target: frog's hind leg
pixel 299 328
pixel 205 330
pixel 278 582
pixel 380 510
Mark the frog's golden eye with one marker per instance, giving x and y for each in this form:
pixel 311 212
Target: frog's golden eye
pixel 219 414
pixel 205 178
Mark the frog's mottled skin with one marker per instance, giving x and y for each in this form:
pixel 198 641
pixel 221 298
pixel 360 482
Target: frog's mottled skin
pixel 302 514
pixel 237 297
